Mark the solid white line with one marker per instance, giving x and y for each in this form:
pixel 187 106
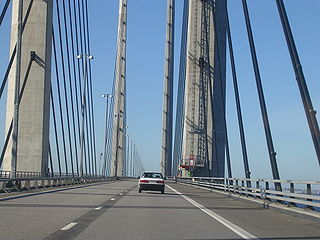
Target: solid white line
pixel 98 208
pixel 236 229
pixel 112 199
pixel 70 225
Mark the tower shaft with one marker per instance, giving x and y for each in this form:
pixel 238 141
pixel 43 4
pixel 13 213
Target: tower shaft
pixel 119 92
pixel 167 114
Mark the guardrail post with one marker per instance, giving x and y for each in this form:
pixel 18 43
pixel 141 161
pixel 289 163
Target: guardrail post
pixel 17 185
pixel 292 191
pixel 237 186
pixel 3 186
pixel 258 187
pixel 266 189
pixel 309 192
pixel 243 188
pixel 27 184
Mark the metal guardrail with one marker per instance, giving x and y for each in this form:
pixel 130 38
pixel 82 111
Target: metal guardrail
pixel 4 175
pixel 29 180
pixel 305 194
pixel 20 174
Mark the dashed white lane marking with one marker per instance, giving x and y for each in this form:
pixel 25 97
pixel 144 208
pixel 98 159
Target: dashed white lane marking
pixel 120 194
pixel 98 208
pixel 236 229
pixel 112 199
pixel 70 225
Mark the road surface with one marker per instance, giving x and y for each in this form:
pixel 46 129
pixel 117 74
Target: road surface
pixel 115 210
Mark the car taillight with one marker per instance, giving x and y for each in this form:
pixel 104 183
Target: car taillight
pixel 160 182
pixel 145 181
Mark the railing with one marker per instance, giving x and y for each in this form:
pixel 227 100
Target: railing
pixel 305 194
pixel 20 174
pixel 31 175
pixel 29 180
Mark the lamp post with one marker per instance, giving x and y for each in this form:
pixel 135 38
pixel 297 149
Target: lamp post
pixel 101 154
pixel 127 154
pixel 131 158
pixel 83 103
pixel 107 96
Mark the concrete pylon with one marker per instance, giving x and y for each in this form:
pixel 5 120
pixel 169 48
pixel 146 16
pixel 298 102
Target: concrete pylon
pixel 167 114
pixel 215 127
pixel 34 109
pixel 119 92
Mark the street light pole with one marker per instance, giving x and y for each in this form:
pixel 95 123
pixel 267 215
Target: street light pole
pixel 84 81
pixel 107 96
pixel 131 151
pixel 127 155
pixel 101 154
pixel 16 94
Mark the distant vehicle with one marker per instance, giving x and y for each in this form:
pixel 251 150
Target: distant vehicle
pixel 153 181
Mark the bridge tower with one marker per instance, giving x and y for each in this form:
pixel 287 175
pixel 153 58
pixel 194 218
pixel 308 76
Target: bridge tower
pixel 29 150
pixel 167 114
pixel 204 135
pixel 119 96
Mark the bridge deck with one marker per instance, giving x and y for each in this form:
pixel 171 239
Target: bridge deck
pixel 148 215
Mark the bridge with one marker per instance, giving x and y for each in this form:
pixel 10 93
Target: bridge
pixel 81 108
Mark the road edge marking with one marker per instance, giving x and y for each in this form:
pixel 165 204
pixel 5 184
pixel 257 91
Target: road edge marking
pixel 236 229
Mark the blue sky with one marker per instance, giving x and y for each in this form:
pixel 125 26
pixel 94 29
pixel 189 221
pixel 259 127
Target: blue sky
pixel 145 56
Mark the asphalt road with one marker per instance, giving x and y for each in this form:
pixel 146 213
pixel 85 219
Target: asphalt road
pixel 117 211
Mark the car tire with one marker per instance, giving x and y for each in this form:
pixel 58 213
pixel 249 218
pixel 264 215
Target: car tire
pixel 140 190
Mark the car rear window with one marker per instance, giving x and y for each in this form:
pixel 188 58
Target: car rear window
pixel 152 175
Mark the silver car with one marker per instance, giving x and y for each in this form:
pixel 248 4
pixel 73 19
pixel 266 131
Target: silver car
pixel 152 181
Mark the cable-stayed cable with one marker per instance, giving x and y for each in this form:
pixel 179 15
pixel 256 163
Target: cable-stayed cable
pixel 91 92
pixel 303 88
pixel 238 104
pixel 4 11
pixel 66 102
pixel 265 118
pixel 73 55
pixel 14 51
pixel 60 102
pixel 71 95
pixel 55 129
